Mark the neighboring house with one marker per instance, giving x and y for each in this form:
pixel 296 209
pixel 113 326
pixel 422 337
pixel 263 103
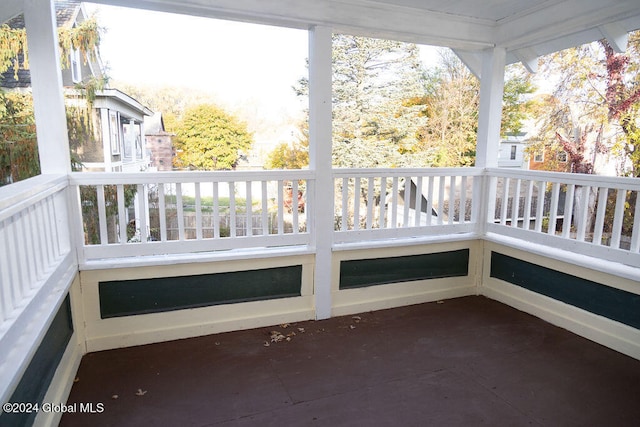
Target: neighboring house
pixel 159 143
pixel 511 153
pixel 115 142
pixel 550 158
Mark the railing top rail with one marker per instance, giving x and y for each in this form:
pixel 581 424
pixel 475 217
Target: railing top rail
pixel 95 178
pixel 404 172
pixel 17 196
pixel 569 178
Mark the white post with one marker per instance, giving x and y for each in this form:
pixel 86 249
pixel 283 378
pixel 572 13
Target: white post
pixel 491 90
pixel 46 83
pixel 488 143
pixel 320 162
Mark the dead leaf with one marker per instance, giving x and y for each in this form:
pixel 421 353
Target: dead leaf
pixel 276 336
pixel 301 330
pixel 352 326
pixel 217 343
pixel 440 302
pixel 141 392
pixel 115 396
pixel 266 344
pixel 76 379
pixel 357 318
pixel 284 325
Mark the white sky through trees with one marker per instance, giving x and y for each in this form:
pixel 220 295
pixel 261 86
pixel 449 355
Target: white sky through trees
pixel 237 62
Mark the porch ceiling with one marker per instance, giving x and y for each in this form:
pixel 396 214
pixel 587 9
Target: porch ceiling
pixel 526 28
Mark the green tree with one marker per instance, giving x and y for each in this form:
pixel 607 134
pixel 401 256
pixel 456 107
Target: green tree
pixel 594 106
pixel 291 156
pixel 451 104
pixel 171 101
pixel 372 125
pixel 18 145
pixel 210 139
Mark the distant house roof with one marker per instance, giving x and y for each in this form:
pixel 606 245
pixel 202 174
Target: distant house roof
pixel 66 14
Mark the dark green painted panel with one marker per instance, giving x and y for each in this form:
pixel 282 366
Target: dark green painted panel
pixel 379 271
pixel 38 375
pixel 615 304
pixel 130 297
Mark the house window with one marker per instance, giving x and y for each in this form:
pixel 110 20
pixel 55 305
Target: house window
pixel 514 150
pixel 114 130
pixel 76 69
pixel 562 157
pixel 538 157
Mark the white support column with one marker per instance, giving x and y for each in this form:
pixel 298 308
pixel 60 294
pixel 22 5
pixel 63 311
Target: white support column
pixel 46 82
pixel 491 90
pixel 320 162
pixel 488 143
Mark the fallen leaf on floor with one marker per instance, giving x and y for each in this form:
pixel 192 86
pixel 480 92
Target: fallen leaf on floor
pixel 288 338
pixel 301 330
pixel 266 344
pixel 352 327
pixel 440 302
pixel 115 396
pixel 357 318
pixel 276 336
pixel 76 379
pixel 284 325
pixel 217 343
pixel 141 392
pixel 291 334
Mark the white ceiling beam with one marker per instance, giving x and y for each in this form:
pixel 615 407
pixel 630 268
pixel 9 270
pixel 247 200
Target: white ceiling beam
pixel 561 20
pixel 473 61
pixel 374 19
pixel 529 59
pixel 10 9
pixel 616 35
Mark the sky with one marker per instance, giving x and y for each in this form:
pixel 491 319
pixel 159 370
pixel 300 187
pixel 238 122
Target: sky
pixel 240 63
pixel 235 61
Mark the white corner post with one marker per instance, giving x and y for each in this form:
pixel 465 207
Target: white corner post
pixel 489 119
pixel 488 143
pixel 320 162
pixel 46 83
pixel 491 91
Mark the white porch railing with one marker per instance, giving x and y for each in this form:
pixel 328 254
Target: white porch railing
pixel 394 203
pixel 34 238
pixel 590 214
pixel 36 267
pixel 125 214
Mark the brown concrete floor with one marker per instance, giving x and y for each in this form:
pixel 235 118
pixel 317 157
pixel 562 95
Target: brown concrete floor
pixel 463 362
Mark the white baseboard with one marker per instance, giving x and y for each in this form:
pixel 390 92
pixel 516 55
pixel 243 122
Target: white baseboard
pixel 607 332
pixel 381 297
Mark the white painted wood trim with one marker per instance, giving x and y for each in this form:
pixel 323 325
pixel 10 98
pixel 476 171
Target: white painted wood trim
pixel 320 137
pixel 61 383
pixel 609 333
pixel 28 330
pixel 379 297
pixel 156 327
pixel 491 90
pixel 46 84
